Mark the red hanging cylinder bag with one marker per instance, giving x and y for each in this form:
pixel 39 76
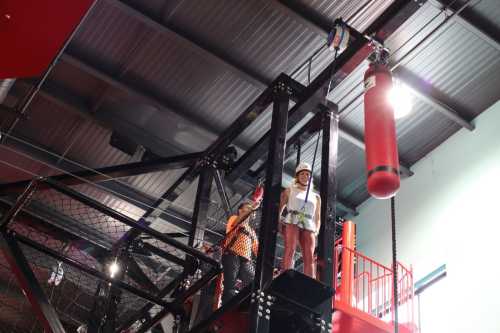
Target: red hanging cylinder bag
pixel 382 161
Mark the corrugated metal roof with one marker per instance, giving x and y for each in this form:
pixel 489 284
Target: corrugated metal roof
pixel 454 61
pixel 359 14
pixel 90 147
pixel 190 82
pixel 253 32
pixel 15 167
pixel 155 183
pixel 40 127
pixel 77 82
pixel 108 37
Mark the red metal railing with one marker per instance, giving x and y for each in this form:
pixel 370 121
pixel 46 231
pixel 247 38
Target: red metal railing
pixel 367 285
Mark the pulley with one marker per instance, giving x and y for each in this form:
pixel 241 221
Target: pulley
pixel 338 38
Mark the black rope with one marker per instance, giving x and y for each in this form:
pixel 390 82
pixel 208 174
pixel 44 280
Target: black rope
pixel 312 170
pixel 394 264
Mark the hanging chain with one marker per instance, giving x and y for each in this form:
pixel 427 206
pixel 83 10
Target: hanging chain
pixel 394 264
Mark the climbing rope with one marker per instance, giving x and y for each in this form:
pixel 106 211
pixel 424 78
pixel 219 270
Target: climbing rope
pixel 394 264
pixel 312 170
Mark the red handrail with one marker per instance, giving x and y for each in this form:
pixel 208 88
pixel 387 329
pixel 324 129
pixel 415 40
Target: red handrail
pixel 372 286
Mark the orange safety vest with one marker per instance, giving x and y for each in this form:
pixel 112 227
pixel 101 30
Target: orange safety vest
pixel 241 239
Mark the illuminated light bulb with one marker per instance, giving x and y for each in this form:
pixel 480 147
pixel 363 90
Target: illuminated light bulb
pixel 113 269
pixel 401 100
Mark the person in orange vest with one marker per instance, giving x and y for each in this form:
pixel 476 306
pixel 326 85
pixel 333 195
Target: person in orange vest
pixel 240 247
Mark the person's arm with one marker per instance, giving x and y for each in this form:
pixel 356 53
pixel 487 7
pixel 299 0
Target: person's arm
pixel 317 215
pixel 284 200
pixel 237 222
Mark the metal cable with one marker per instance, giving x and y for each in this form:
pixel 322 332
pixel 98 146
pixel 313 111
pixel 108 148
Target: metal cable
pixel 312 170
pixel 394 264
pixel 15 151
pixel 90 183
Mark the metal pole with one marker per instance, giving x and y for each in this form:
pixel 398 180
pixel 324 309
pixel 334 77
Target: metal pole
pixel 328 192
pixel 197 232
pixel 201 205
pixel 29 284
pixel 222 193
pixel 21 201
pixel 259 318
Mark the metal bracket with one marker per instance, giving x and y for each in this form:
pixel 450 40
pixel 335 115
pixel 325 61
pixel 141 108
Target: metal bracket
pixel 208 161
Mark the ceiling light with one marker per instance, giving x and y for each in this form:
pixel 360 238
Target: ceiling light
pixel 113 269
pixel 401 99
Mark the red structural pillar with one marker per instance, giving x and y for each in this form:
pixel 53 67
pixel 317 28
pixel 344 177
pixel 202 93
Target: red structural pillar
pixel 347 273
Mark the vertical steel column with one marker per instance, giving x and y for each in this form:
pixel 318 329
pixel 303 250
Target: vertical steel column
pixel 328 191
pixel 259 319
pixel 199 221
pixel 29 284
pixel 201 204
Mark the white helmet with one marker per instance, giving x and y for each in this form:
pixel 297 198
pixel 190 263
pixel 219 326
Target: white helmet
pixel 303 166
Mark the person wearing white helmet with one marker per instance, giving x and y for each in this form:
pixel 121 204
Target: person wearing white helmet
pixel 302 221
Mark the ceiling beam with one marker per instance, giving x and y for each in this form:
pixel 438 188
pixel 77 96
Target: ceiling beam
pixel 70 102
pixel 303 16
pixel 475 23
pixel 427 94
pixel 204 49
pixel 166 106
pixel 111 172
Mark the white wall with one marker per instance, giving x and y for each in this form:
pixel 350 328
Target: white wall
pixel 447 213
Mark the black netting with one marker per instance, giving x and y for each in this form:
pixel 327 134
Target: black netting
pixel 158 269
pixel 91 221
pixel 13 304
